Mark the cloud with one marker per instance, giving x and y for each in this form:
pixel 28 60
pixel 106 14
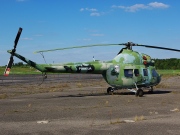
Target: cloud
pixel 137 7
pixel 158 5
pixel 131 8
pixel 95 14
pixel 89 9
pixel 26 38
pixel 93 11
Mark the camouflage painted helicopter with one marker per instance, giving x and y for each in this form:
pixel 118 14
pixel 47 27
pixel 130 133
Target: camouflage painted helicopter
pixel 128 70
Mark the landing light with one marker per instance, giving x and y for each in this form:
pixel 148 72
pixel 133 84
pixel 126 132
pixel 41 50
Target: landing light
pixel 145 62
pixel 144 58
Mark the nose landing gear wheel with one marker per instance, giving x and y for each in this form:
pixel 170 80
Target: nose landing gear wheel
pixel 110 90
pixel 139 93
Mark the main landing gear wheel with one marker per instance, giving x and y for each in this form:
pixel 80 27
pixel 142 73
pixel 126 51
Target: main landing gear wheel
pixel 110 90
pixel 139 93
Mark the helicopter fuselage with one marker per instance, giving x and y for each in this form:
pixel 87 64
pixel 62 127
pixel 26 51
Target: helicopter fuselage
pixel 132 69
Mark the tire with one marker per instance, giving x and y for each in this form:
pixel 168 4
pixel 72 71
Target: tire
pixel 110 90
pixel 139 93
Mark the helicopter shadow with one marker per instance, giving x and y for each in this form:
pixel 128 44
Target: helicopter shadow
pixel 83 95
pixel 157 92
pixel 145 92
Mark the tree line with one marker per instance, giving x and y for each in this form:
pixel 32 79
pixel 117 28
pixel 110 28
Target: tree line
pixel 172 63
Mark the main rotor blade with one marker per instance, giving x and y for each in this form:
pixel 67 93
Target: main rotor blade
pixel 156 47
pixel 74 47
pixel 128 46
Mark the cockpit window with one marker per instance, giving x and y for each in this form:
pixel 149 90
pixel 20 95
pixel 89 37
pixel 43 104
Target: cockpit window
pixel 128 72
pixel 116 68
pixel 154 73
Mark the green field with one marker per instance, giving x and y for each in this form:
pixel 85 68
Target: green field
pixel 20 70
pixel 169 72
pixel 29 70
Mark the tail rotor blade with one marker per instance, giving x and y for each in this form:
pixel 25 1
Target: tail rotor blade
pixel 11 60
pixel 8 67
pixel 17 37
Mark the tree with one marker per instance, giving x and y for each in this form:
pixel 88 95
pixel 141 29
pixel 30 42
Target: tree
pixel 172 63
pixel 18 64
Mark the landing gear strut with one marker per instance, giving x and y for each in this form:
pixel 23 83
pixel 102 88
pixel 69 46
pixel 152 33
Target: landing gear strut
pixel 139 92
pixel 151 90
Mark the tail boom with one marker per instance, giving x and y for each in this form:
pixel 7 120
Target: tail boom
pixel 29 62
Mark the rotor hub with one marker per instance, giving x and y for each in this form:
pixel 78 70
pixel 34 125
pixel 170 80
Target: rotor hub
pixel 129 45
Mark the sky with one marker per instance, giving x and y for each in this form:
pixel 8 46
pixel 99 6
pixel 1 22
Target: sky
pixel 50 24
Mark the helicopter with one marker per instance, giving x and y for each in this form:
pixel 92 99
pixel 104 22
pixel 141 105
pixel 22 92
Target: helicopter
pixel 129 69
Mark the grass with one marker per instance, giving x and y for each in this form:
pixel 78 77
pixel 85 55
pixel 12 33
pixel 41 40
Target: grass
pixel 139 118
pixel 169 72
pixel 20 70
pixel 3 96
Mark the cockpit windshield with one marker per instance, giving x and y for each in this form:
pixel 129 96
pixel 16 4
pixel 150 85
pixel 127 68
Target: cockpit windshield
pixel 154 73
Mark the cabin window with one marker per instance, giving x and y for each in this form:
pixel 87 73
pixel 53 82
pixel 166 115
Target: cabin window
pixel 145 71
pixel 136 72
pixel 128 72
pixel 154 73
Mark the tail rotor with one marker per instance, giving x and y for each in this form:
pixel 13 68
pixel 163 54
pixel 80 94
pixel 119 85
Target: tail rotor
pixel 11 60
